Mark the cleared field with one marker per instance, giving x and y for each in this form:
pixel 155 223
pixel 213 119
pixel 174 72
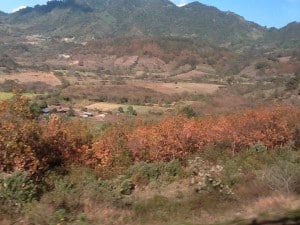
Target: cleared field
pixel 9 95
pixel 178 87
pixel 103 106
pixel 28 77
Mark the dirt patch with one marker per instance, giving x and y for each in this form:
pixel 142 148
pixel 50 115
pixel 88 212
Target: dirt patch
pixel 284 59
pixel 152 63
pixel 29 77
pixel 190 75
pixel 178 87
pixel 103 106
pixel 249 70
pixel 126 61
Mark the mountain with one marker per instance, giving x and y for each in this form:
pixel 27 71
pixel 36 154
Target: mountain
pixel 3 32
pixel 288 35
pixel 89 19
pixel 7 62
pixel 2 15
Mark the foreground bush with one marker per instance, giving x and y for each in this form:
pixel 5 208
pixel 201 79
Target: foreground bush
pixel 160 192
pixel 15 191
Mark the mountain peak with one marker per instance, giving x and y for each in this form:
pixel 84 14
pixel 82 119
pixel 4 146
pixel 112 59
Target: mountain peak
pixel 294 23
pixel 56 4
pixel 194 4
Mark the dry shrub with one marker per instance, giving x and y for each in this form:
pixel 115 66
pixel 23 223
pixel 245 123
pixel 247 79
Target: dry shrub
pixel 171 139
pixel 62 139
pixel 273 203
pixel 283 176
pixel 178 137
pixel 29 145
pixel 250 187
pixel 110 154
pixel 19 136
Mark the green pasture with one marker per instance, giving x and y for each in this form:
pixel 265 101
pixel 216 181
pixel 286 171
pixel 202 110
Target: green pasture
pixel 9 95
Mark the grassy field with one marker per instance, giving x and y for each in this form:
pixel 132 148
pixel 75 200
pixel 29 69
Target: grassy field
pixel 9 95
pixel 103 106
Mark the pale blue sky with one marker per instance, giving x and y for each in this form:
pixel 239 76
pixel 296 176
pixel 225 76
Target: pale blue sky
pixel 270 13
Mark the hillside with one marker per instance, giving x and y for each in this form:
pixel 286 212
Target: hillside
pixel 287 36
pixel 105 18
pixel 2 16
pixel 120 40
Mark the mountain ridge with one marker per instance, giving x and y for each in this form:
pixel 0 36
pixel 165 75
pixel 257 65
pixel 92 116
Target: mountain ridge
pixel 87 20
pixel 123 17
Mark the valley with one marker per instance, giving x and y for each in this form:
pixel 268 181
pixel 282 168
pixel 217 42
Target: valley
pixel 143 112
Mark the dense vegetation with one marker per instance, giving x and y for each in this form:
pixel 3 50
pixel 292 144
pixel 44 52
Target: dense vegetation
pixel 97 19
pixel 156 18
pixel 33 150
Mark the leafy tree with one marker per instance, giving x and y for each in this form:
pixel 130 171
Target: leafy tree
pixel 19 136
pixel 27 144
pixel 188 111
pixel 131 111
pixel 293 83
pixel 121 110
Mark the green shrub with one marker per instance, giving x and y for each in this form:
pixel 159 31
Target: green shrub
pixel 262 65
pixel 173 169
pixel 159 208
pixel 69 195
pixel 144 173
pixel 121 110
pixel 127 186
pixel 16 190
pixel 293 82
pixel 188 111
pixel 131 111
pixel 258 147
pixel 59 217
pixel 70 191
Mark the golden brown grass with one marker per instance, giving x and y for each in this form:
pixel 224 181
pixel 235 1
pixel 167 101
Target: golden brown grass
pixel 28 77
pixel 178 87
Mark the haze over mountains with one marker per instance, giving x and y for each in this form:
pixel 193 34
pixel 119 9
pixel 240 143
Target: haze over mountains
pixel 93 19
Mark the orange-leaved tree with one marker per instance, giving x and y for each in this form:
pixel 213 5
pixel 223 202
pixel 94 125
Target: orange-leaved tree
pixel 110 152
pixel 178 137
pixel 61 141
pixel 19 136
pixel 30 145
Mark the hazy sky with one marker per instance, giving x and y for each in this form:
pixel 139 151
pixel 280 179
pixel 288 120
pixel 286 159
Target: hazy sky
pixel 270 13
